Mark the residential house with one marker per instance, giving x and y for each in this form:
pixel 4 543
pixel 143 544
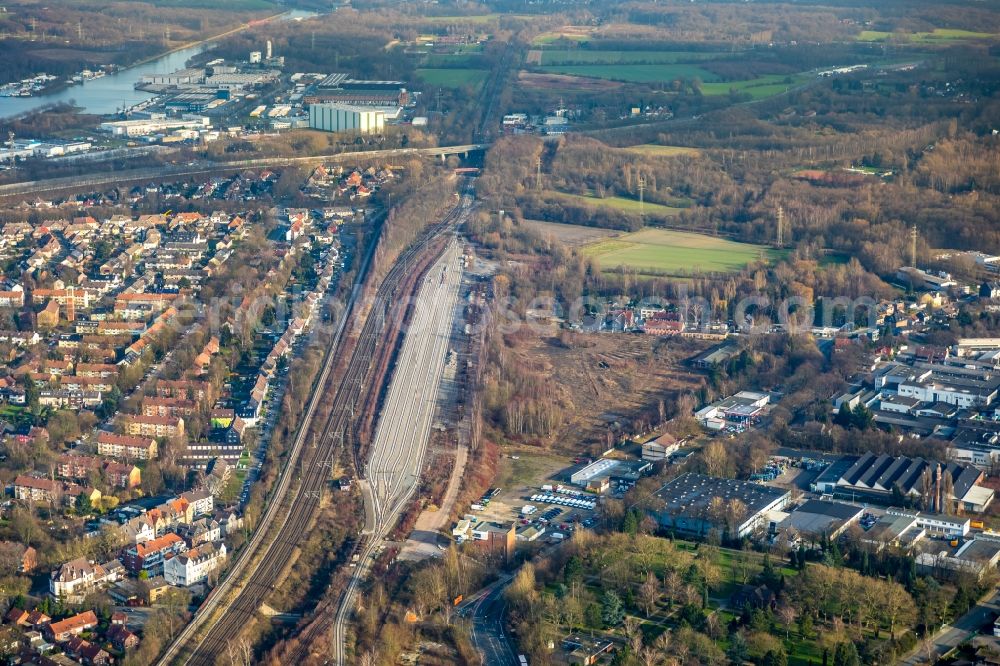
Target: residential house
pixel 154 426
pixel 122 638
pixel 87 653
pixel 77 578
pixel 126 446
pixel 71 626
pixel 194 566
pixel 149 556
pixel 201 502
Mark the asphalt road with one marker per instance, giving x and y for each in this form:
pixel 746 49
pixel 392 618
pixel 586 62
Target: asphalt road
pixel 494 644
pixel 954 634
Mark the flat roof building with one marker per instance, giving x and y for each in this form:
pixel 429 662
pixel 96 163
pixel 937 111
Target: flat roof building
pixel 697 504
pixel 342 118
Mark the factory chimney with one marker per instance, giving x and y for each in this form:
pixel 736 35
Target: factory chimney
pixel 268 50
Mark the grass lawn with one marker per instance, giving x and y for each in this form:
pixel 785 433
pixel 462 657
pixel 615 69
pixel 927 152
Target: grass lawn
pixel 664 252
pixel 635 73
pixel 451 60
pixel 587 56
pixel 453 78
pixel 654 150
pixel 759 88
pixel 11 412
pixel 530 470
pixel 575 34
pixel 628 205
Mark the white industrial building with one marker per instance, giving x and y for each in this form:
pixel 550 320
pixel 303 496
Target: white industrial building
pixel 130 128
pixel 341 118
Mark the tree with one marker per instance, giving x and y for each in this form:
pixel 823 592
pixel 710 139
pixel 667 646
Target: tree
pixel 26 525
pixel 612 609
pixel 846 655
pixel 738 651
pixel 786 615
pixel 592 616
pixel 775 658
pixel 649 593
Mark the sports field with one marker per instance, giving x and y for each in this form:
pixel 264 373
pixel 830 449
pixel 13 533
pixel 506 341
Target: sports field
pixel 656 150
pixel 627 205
pixel 635 73
pixel 453 78
pixel 591 57
pixel 665 252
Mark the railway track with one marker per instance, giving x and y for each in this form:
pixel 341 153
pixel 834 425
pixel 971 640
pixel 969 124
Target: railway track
pixel 215 168
pixel 395 458
pixel 309 465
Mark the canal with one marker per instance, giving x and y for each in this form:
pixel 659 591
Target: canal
pixel 108 93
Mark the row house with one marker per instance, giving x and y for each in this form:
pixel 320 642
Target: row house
pixel 126 447
pixel 155 406
pixel 149 556
pixel 120 328
pixel 156 302
pixel 154 426
pixel 103 370
pixel 35 489
pixel 79 468
pixel 66 398
pixel 202 452
pixel 77 383
pixel 12 299
pixel 56 367
pixel 183 388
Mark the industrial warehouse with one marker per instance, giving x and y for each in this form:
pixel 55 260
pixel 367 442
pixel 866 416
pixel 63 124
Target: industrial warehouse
pixel 879 477
pixel 690 504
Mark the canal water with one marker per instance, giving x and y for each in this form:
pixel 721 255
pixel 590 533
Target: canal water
pixel 108 93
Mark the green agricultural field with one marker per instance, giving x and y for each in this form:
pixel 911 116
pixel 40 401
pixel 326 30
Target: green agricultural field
pixel 665 252
pixel 936 35
pixel 759 88
pixel 635 73
pixel 629 205
pixel 590 57
pixel 655 150
pixel 453 78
